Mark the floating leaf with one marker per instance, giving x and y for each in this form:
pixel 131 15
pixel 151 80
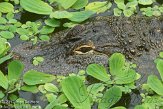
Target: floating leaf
pixel 3 20
pixel 51 87
pixel 5 58
pixel 132 4
pixel 145 2
pixel 10 15
pixel 66 3
pixel 116 63
pixel 120 4
pixel 3 81
pixel 37 60
pixel 61 14
pixel 32 89
pixel 99 72
pixel 125 77
pixel 24 37
pixel 95 88
pixel 160 68
pixel 12 28
pixel 1 94
pixel 117 12
pixel 6 7
pixel 51 97
pixel 52 22
pixel 98 7
pixel 36 6
pixel 155 84
pixel 140 107
pixel 33 77
pixel 6 34
pixel 62 99
pixel 70 24
pixel 22 31
pixel 110 97
pixel 156 13
pixel 81 16
pixel 128 12
pixel 15 69
pixel 44 37
pixel 80 4
pixel 161 54
pixel 75 90
pixel 46 30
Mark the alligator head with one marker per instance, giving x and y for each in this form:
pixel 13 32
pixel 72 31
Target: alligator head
pixel 93 42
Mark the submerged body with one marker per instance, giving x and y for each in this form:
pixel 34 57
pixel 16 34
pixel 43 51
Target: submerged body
pixel 139 39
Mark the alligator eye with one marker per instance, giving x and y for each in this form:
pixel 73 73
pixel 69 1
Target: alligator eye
pixel 84 49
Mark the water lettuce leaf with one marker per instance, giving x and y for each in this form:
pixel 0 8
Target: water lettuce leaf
pixel 80 4
pixel 66 3
pixel 3 81
pixel 111 96
pixel 125 77
pixel 145 2
pixel 15 69
pixel 6 7
pixel 160 68
pixel 75 90
pixel 36 6
pixel 81 16
pixel 98 7
pixel 33 77
pixel 99 72
pixel 52 22
pixel 155 84
pixel 116 63
pixel 7 34
pixel 60 14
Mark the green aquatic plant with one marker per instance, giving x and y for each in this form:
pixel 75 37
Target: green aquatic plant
pixel 152 11
pixel 14 82
pixel 76 91
pixel 131 7
pixel 8 26
pixel 98 7
pixel 62 12
pixel 4 48
pixel 152 98
pixel 37 60
pixel 127 9
pixel 6 7
pixel 121 72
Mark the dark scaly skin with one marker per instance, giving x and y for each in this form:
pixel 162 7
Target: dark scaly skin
pixel 140 39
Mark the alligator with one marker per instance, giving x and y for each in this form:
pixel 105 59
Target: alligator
pixel 140 39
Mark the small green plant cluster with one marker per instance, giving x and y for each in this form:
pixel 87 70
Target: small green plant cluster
pixel 72 88
pixel 74 11
pixel 152 97
pixel 10 27
pixel 34 31
pixel 132 7
pixel 76 91
pixel 152 11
